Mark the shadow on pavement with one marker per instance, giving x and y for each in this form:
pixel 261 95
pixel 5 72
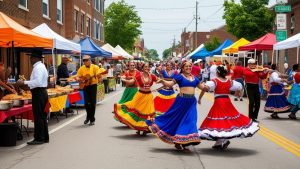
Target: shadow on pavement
pixel 282 118
pixel 121 128
pixel 134 137
pixel 230 152
pixel 173 151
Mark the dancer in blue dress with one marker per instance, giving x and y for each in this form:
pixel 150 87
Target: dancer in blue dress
pixel 179 124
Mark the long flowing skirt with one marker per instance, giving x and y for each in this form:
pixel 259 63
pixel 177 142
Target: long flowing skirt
pixel 128 95
pixel 164 100
pixel 135 112
pixel 277 101
pixel 224 122
pixel 179 123
pixel 294 97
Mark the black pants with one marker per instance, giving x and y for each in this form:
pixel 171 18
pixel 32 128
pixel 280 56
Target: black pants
pixel 105 82
pixel 90 93
pixel 254 100
pixel 39 101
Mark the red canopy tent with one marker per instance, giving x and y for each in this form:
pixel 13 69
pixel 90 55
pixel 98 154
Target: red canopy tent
pixel 265 42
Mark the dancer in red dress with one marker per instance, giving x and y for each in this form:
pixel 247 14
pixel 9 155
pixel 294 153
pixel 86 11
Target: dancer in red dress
pixel 223 121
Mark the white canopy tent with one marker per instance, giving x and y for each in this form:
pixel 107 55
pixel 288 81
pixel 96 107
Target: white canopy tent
pixel 292 42
pixel 123 52
pixel 59 42
pixel 113 51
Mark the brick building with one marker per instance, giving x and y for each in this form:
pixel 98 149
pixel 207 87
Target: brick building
pixel 188 38
pixel 72 19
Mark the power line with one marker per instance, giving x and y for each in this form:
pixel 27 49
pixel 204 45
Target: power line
pixel 165 22
pixel 179 8
pixel 161 29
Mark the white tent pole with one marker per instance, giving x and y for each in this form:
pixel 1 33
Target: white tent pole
pixel 53 64
pixel 276 59
pixel 272 56
pixel 255 57
pixel 297 54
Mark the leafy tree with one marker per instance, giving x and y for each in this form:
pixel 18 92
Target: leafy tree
pixel 251 19
pixel 122 25
pixel 153 54
pixel 212 44
pixel 167 53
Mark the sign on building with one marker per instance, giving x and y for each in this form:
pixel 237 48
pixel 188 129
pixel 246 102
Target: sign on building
pixel 281 21
pixel 283 9
pixel 281 1
pixel 281 35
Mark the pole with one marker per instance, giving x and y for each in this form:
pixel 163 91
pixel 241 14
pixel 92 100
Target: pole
pixel 298 54
pixel 196 34
pixel 262 58
pixel 255 57
pixel 53 64
pixel 276 59
pixel 272 56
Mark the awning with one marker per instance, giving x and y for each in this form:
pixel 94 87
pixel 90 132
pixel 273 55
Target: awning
pixel 123 52
pixel 60 43
pixel 195 51
pixel 265 42
pixel 11 31
pixel 115 53
pixel 292 42
pixel 201 54
pixel 88 47
pixel 218 50
pixel 234 48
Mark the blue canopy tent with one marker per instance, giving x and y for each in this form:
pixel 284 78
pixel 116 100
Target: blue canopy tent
pixel 88 47
pixel 219 49
pixel 201 54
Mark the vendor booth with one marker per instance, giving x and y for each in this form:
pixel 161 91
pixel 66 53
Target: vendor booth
pixel 123 52
pixel 292 42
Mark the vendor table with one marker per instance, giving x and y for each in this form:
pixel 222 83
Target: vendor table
pixel 15 111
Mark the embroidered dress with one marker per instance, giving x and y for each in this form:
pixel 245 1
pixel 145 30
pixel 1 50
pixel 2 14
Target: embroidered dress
pixel 276 101
pixel 134 113
pixel 223 120
pixel 294 97
pixel 178 125
pixel 166 96
pixel 130 90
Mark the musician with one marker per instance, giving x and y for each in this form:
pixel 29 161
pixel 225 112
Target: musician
pixel 88 76
pixel 251 77
pixel 38 85
pixel 62 69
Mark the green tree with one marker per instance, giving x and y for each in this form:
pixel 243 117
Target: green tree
pixel 153 54
pixel 167 53
pixel 251 19
pixel 212 44
pixel 122 25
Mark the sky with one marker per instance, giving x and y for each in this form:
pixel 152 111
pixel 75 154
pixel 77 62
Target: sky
pixel 164 20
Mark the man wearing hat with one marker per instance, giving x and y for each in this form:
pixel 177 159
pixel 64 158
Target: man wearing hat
pixel 62 69
pixel 90 75
pixel 38 85
pixel 196 70
pixel 251 77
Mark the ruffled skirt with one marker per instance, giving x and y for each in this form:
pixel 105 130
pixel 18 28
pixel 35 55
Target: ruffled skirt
pixel 179 123
pixel 224 122
pixel 164 100
pixel 135 112
pixel 277 101
pixel 294 97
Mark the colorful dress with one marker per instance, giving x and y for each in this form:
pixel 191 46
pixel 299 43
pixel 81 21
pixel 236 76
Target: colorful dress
pixel 179 124
pixel 294 97
pixel 223 120
pixel 135 112
pixel 276 101
pixel 130 90
pixel 166 96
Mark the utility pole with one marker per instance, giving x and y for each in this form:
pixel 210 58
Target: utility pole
pixel 196 34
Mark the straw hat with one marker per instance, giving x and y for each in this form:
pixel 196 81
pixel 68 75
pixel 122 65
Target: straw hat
pixel 251 61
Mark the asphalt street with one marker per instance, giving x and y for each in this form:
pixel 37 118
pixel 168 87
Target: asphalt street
pixel 111 145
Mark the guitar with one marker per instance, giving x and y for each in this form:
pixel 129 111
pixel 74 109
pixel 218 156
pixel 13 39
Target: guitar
pixel 87 79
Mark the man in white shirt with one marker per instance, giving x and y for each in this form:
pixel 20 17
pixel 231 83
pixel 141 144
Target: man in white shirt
pixel 213 71
pixel 38 85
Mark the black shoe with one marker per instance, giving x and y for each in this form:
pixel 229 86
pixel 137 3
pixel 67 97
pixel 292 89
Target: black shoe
pixel 275 116
pixel 46 141
pixel 236 99
pixel 241 99
pixel 217 147
pixel 92 123
pixel 35 142
pixel 292 116
pixel 224 146
pixel 86 121
pixel 254 120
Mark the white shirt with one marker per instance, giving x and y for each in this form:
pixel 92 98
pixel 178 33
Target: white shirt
pixel 213 72
pixel 39 76
pixel 234 85
pixel 275 78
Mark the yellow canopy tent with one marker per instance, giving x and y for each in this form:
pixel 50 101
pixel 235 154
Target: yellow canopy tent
pixel 234 48
pixel 13 34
